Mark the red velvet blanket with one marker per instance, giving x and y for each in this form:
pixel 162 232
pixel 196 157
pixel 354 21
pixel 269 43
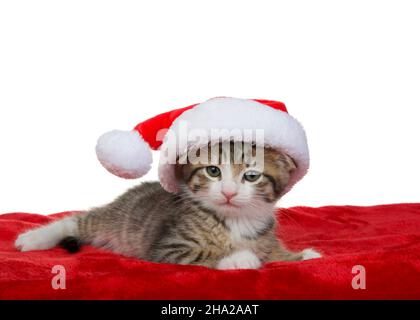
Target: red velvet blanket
pixel 385 240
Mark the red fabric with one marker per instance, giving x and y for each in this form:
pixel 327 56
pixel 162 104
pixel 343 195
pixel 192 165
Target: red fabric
pixel 384 239
pixel 149 129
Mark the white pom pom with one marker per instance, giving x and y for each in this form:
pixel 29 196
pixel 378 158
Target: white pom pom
pixel 124 153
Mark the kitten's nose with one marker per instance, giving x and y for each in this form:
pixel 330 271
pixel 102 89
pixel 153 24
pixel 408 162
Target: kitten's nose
pixel 229 195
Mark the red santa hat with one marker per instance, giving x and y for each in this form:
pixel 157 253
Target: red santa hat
pixel 127 154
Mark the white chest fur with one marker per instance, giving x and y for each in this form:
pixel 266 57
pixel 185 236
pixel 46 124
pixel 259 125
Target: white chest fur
pixel 246 228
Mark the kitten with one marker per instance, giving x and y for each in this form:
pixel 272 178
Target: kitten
pixel 224 217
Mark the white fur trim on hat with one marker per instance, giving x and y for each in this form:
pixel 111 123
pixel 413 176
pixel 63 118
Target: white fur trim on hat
pixel 281 131
pixel 124 153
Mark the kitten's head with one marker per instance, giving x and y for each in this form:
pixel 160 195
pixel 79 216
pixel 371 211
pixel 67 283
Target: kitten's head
pixel 237 188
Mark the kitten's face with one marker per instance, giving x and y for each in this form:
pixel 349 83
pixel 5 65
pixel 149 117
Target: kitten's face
pixel 237 189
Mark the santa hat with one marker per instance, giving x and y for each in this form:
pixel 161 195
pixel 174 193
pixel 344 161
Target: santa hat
pixel 127 154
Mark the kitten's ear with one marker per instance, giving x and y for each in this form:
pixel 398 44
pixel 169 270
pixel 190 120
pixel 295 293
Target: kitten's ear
pixel 288 162
pixel 280 157
pixel 179 172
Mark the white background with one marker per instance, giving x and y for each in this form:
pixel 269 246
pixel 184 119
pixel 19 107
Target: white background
pixel 71 70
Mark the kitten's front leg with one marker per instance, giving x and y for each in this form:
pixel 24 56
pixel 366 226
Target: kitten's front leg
pixel 242 259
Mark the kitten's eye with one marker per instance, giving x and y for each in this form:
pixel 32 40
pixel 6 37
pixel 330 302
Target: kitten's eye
pixel 252 176
pixel 213 171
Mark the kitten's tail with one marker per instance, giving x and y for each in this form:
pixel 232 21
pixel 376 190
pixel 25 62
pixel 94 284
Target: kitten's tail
pixel 63 232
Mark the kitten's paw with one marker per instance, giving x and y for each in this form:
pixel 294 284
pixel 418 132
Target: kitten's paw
pixel 244 259
pixel 33 240
pixel 310 253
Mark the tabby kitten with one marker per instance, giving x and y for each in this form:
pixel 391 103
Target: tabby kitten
pixel 224 217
